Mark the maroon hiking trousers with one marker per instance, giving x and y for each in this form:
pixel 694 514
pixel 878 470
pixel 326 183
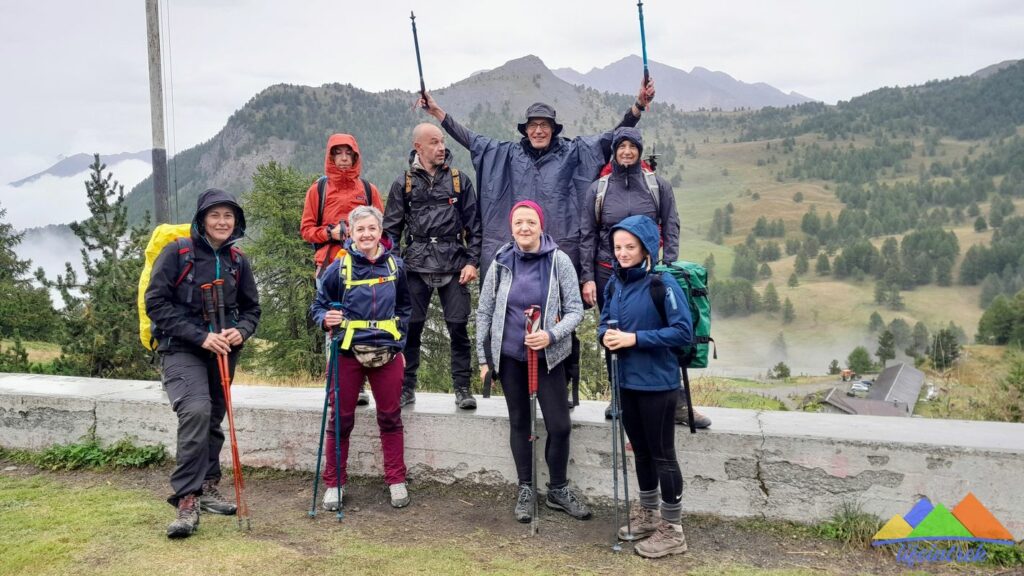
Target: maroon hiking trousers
pixel 386 386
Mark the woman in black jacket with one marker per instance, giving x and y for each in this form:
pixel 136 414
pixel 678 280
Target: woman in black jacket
pixel 188 347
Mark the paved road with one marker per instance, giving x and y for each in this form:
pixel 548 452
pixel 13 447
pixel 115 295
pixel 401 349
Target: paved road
pixel 783 393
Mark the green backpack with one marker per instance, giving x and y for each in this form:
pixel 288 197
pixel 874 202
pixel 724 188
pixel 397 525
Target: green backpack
pixel 693 279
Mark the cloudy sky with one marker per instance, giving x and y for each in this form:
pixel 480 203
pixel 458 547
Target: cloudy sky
pixel 75 73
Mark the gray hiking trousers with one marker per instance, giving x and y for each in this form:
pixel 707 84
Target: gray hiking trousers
pixel 194 390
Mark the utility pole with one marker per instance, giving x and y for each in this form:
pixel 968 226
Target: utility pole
pixel 161 205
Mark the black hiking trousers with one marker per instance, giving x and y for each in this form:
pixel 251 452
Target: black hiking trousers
pixel 455 303
pixel 649 420
pixel 192 383
pixel 551 394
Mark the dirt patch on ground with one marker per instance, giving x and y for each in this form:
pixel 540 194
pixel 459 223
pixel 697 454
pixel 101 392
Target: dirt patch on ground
pixel 480 519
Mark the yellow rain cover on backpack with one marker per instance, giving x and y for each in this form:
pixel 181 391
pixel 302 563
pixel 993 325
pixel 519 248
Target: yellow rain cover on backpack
pixel 163 235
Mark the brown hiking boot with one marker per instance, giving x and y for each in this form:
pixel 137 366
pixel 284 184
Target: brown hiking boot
pixel 214 502
pixel 644 522
pixel 187 521
pixel 665 540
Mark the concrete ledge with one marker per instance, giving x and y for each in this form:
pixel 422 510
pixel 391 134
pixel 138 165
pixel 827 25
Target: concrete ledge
pixel 782 465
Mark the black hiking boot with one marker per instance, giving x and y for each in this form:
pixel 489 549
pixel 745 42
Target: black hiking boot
pixel 524 504
pixel 608 412
pixel 187 521
pixel 567 501
pixel 364 397
pixel 214 502
pixel 408 397
pixel 464 399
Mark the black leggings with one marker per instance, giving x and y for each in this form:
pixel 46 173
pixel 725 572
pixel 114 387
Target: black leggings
pixel 649 419
pixel 551 394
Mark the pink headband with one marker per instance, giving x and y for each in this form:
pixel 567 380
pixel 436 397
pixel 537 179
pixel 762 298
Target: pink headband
pixel 532 206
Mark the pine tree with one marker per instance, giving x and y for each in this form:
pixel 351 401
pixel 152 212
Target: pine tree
pixel 875 323
pixel 801 265
pixel 793 281
pixel 25 310
pixel 283 267
pixel 822 267
pixel 886 347
pixel 770 299
pixel 945 349
pixel 100 314
pixel 833 367
pixel 788 312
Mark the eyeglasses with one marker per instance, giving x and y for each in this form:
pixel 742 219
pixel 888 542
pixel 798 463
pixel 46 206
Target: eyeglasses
pixel 538 125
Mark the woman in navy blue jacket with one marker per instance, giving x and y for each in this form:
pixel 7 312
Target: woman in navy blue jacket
pixel 372 322
pixel 648 380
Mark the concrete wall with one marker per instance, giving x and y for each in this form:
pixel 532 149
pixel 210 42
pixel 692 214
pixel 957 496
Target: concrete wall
pixel 783 465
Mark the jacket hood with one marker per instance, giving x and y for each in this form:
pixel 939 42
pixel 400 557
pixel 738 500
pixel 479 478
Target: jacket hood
pixel 511 250
pixel 631 134
pixel 415 164
pixel 643 228
pixel 332 171
pixel 217 197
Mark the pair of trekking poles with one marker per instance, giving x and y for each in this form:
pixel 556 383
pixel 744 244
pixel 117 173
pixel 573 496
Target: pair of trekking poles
pixel 213 315
pixel 333 387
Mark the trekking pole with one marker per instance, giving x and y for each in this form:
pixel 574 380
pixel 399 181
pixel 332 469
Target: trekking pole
pixel 643 41
pixel 618 446
pixel 334 377
pixel 419 63
pixel 533 325
pixel 323 426
pixel 242 505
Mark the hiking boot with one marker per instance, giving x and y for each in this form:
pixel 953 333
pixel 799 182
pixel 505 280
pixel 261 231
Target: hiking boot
pixel 665 540
pixel 464 399
pixel 683 417
pixel 333 497
pixel 643 521
pixel 608 412
pixel 567 501
pixel 408 397
pixel 214 502
pixel 187 521
pixel 524 504
pixel 364 397
pixel 399 495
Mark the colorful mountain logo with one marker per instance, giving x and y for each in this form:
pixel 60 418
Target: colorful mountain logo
pixel 968 521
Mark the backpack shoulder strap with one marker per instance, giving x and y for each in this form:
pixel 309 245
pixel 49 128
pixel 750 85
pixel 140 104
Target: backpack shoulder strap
pixel 655 189
pixel 602 188
pixel 368 191
pixel 456 182
pixel 321 199
pixel 236 259
pixel 658 296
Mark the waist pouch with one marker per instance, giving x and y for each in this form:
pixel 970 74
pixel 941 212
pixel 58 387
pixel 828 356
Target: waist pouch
pixel 373 356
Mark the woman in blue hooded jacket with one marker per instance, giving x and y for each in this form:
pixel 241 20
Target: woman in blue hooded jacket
pixel 648 380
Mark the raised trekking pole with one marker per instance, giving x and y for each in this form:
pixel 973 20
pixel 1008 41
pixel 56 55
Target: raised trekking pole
pixel 242 512
pixel 419 63
pixel 533 325
pixel 643 41
pixel 618 446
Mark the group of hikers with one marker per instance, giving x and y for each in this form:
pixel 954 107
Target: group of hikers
pixel 553 225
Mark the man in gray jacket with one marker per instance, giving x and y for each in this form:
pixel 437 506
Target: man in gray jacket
pixel 435 206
